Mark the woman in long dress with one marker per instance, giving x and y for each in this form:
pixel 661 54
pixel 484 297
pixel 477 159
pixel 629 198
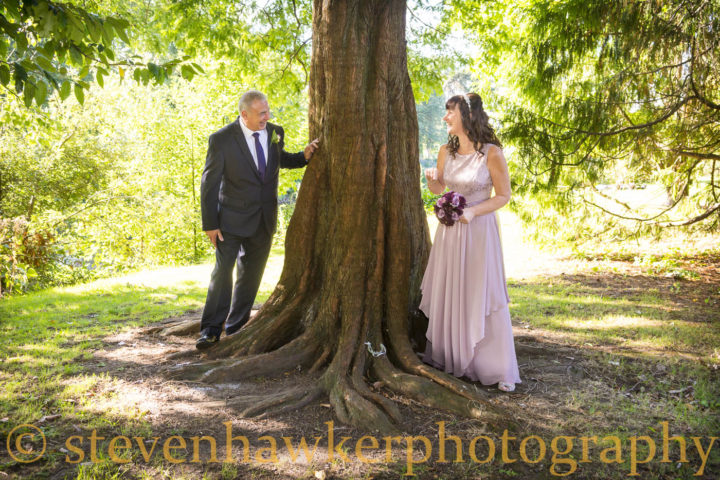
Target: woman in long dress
pixel 464 293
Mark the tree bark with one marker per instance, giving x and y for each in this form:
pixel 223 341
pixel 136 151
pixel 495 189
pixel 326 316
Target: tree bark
pixel 358 242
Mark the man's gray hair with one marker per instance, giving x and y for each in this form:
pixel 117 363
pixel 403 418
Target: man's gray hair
pixel 248 98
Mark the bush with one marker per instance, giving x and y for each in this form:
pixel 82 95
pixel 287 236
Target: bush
pixel 23 251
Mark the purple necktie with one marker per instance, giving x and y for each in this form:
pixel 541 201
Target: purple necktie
pixel 260 155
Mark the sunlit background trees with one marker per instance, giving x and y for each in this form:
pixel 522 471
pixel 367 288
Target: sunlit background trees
pixel 609 113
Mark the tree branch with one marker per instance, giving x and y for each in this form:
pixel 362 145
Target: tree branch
pixel 702 216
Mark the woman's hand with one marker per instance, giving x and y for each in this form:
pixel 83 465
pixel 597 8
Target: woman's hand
pixel 431 174
pixel 467 216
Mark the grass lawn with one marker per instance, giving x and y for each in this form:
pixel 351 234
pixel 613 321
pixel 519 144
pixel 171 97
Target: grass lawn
pixel 608 345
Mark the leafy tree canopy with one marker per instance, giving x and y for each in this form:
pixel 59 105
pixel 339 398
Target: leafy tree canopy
pixel 595 92
pixel 48 46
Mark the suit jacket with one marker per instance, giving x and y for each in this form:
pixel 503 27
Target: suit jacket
pixel 233 197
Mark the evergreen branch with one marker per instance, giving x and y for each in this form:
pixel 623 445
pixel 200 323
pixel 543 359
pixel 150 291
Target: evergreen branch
pixel 683 194
pixel 608 197
pixel 652 123
pixel 699 96
pixel 683 223
pixel 701 156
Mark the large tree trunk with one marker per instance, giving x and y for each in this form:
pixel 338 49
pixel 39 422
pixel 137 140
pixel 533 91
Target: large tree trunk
pixel 358 242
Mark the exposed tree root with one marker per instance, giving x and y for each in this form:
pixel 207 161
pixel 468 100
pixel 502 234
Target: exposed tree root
pixel 433 395
pixel 182 329
pixel 176 325
pixel 193 371
pixel 300 353
pixel 262 405
pixel 353 409
pixel 183 354
pixel 267 330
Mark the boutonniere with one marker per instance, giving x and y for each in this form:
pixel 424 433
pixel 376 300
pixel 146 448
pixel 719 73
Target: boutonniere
pixel 275 138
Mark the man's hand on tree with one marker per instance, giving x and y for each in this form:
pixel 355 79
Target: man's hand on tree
pixel 310 149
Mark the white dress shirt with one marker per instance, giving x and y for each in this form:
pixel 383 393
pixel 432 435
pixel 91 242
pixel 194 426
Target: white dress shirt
pixel 251 141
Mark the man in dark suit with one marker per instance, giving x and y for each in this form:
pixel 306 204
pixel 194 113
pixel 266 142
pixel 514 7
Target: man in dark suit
pixel 239 211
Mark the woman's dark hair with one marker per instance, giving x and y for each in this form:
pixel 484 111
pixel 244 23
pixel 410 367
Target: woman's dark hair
pixel 475 122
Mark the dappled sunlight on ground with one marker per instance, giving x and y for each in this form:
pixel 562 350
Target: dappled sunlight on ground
pixel 614 321
pixel 154 278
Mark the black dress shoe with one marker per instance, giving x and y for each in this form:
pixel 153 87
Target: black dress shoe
pixel 206 340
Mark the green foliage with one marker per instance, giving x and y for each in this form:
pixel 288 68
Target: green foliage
pixel 20 252
pixel 597 93
pixel 431 129
pixel 31 256
pixel 48 46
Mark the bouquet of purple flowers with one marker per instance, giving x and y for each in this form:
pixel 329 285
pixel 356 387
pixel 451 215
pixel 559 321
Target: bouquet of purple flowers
pixel 449 208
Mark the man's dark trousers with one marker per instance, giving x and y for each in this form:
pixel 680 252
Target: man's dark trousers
pixel 250 254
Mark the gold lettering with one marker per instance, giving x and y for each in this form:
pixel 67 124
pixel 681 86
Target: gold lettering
pixel 704 454
pixel 196 449
pixel 443 439
pixel 294 454
pixel 505 439
pixel 113 446
pixel 633 453
pixel 167 446
pixel 79 451
pixel 272 448
pixel 541 444
pixel 388 447
pixel 559 461
pixel 491 449
pixel 229 440
pixel 616 449
pixel 409 452
pixel 585 448
pixel 143 450
pixel 666 444
pixel 360 445
pixel 93 446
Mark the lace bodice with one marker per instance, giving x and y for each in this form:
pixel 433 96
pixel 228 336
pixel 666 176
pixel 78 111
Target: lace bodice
pixel 468 175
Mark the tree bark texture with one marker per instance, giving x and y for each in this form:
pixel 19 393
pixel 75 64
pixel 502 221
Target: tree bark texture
pixel 358 242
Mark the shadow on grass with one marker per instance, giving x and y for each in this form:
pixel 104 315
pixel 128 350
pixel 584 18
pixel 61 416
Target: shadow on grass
pixel 642 313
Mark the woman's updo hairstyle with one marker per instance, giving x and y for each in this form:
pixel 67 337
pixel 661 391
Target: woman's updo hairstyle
pixel 475 122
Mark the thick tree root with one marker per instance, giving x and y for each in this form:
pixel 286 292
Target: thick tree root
pixel 387 405
pixel 267 330
pixel 181 329
pixel 353 409
pixel 263 405
pixel 429 393
pixel 298 354
pixel 193 371
pixel 178 325
pixel 183 355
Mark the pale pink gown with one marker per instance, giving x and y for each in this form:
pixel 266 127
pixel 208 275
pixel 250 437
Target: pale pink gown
pixel 464 293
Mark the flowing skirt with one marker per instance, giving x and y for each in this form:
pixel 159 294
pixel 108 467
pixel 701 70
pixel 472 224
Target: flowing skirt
pixel 464 294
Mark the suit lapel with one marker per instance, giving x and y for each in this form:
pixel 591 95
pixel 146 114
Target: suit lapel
pixel 272 150
pixel 244 149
